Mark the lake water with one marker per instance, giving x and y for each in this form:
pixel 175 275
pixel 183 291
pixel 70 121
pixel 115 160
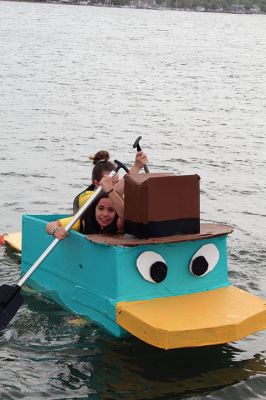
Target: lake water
pixel 75 79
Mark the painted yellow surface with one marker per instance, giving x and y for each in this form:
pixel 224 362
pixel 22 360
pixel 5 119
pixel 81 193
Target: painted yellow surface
pixel 66 220
pixel 199 319
pixel 14 240
pixel 27 289
pixel 78 321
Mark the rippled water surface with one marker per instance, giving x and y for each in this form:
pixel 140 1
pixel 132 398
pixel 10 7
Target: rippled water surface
pixel 77 79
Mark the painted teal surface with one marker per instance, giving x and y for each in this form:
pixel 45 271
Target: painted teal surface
pixel 179 280
pixel 89 278
pixel 77 274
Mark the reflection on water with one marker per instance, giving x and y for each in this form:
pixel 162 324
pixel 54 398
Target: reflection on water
pixel 85 362
pixel 180 372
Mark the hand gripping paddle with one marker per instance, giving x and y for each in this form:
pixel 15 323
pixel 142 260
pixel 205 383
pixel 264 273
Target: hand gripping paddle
pixel 136 145
pixel 10 296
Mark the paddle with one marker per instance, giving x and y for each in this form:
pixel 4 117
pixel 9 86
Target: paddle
pixel 10 296
pixel 136 145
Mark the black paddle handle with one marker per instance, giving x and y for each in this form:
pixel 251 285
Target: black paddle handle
pixel 119 166
pixel 137 145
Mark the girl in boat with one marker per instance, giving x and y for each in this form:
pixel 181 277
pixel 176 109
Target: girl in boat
pixel 106 214
pixel 111 186
pixel 103 166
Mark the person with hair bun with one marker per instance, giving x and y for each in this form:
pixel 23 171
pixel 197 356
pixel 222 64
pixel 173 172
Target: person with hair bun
pixel 102 167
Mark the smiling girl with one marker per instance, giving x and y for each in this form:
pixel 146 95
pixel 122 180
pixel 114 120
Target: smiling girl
pixel 105 215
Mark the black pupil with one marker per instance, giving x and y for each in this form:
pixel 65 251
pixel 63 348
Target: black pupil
pixel 199 266
pixel 158 271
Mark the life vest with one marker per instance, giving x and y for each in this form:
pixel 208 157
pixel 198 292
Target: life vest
pixel 82 197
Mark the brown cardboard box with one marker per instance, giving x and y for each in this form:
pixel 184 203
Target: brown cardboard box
pixel 161 204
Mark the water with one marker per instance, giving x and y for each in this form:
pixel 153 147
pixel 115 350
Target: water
pixel 77 79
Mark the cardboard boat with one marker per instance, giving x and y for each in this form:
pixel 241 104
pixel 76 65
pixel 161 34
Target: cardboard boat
pixel 170 291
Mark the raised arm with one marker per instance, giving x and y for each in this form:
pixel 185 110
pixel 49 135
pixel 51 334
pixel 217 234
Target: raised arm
pixel 140 161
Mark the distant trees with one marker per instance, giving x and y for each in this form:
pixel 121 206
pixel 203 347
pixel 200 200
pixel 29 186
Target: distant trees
pixel 215 5
pixel 199 5
pixel 262 4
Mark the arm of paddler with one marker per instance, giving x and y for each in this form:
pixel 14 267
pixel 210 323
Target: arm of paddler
pixel 64 221
pixel 57 228
pixel 140 161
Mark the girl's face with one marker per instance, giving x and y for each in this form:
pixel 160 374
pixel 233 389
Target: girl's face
pixel 104 212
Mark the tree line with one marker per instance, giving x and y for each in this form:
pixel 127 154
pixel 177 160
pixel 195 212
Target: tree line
pixel 208 5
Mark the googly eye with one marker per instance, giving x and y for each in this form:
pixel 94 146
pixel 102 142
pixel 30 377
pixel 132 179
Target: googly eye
pixel 204 260
pixel 152 266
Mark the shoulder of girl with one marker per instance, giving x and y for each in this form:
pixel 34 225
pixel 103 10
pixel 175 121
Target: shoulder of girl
pixel 87 193
pixel 84 197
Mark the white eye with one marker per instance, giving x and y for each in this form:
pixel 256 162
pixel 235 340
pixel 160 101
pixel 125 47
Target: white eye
pixel 152 266
pixel 204 260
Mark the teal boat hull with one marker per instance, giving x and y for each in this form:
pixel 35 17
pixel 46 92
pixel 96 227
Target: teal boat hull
pixel 89 278
pixel 70 274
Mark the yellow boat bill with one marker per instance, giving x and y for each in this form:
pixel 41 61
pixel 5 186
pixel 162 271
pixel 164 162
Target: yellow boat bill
pixel 199 319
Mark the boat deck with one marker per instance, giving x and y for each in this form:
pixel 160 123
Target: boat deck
pixel 206 231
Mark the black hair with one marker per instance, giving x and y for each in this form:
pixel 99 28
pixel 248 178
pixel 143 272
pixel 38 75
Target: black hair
pixel 88 223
